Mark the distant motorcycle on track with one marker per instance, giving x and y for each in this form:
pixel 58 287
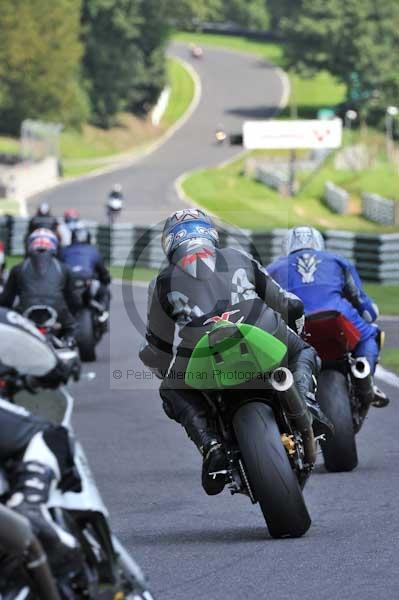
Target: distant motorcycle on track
pixel 196 51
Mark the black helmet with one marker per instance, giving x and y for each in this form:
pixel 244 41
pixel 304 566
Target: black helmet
pixel 81 235
pixel 185 225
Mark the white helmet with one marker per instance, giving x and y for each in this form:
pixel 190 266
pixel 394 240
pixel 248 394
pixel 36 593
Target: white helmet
pixel 116 188
pixel 301 238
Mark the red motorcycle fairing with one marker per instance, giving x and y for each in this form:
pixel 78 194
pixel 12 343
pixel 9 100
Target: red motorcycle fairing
pixel 331 333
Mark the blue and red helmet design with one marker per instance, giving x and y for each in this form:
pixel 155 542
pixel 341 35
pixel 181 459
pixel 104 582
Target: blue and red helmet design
pixel 185 225
pixel 42 240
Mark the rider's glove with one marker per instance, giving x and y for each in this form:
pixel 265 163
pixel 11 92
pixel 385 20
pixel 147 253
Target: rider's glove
pixel 369 312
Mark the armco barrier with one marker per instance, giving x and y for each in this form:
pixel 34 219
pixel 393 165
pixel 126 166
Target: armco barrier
pixel 375 256
pixel 380 210
pixel 336 198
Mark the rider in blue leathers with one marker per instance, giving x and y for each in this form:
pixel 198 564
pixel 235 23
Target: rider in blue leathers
pixel 326 281
pixel 82 255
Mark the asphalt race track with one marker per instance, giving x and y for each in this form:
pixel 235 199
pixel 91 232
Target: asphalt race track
pixel 234 88
pixel 195 547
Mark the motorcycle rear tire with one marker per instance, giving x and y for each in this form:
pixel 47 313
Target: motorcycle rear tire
pixel 339 451
pixel 85 337
pixel 272 480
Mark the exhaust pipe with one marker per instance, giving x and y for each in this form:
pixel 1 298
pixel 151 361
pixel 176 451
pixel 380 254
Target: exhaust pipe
pixel 363 381
pixel 295 408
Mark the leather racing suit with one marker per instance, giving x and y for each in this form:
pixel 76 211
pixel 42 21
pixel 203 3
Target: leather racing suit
pixel 325 281
pixel 87 258
pixel 187 293
pixel 41 279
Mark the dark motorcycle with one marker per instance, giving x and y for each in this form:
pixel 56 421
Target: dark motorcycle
pixel 267 432
pixel 91 318
pixel 345 388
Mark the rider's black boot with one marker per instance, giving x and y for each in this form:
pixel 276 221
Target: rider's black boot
pixel 321 423
pixel 214 457
pixel 306 384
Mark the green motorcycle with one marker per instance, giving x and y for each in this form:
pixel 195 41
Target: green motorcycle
pixel 261 419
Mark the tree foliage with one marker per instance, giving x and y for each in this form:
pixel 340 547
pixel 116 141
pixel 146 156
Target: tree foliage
pixel 39 62
pixel 278 9
pixel 356 41
pixel 189 13
pixel 186 13
pixel 124 60
pixel 249 15
pixel 112 59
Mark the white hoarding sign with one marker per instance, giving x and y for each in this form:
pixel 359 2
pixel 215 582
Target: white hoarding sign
pixel 315 134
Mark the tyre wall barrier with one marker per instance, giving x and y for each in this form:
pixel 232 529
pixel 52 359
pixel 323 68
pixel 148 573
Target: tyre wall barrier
pixel 277 180
pixel 376 256
pixel 380 210
pixel 336 198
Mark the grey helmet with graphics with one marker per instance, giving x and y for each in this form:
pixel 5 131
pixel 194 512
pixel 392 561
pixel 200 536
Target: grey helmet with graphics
pixel 302 238
pixel 189 240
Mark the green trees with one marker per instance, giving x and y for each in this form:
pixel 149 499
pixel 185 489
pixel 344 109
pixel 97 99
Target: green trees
pixel 356 41
pixel 185 13
pixel 71 60
pixel 39 62
pixel 251 14
pixel 154 31
pixel 112 59
pixel 278 9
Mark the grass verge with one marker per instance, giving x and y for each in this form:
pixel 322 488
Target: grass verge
pixel 92 148
pixel 137 274
pixel 238 199
pixel 307 95
pixel 390 359
pixel 9 145
pixel 182 89
pixel 131 135
pixel 9 207
pixel 386 296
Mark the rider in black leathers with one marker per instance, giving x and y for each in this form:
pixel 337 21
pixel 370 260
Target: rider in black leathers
pixel 41 279
pixel 43 219
pixel 201 282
